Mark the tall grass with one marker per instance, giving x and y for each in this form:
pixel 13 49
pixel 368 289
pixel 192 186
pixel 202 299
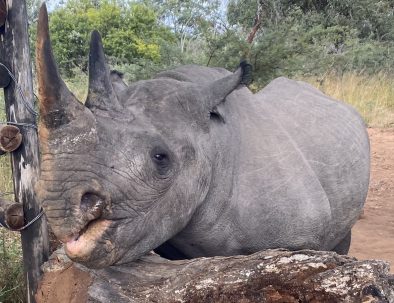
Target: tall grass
pixel 11 275
pixel 372 96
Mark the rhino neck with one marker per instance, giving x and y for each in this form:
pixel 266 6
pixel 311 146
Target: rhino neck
pixel 214 224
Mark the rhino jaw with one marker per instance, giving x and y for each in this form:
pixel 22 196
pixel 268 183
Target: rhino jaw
pixel 82 246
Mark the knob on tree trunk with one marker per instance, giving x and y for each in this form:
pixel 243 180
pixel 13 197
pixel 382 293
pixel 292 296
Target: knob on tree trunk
pixel 11 214
pixel 10 137
pixel 14 216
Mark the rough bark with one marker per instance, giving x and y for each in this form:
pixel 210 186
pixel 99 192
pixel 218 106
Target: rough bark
pixel 15 54
pixel 268 276
pixel 5 78
pixel 3 12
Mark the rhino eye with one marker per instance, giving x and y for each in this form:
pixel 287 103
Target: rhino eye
pixel 161 160
pixel 160 157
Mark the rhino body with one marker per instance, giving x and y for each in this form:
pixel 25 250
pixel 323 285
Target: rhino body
pixel 291 170
pixel 193 164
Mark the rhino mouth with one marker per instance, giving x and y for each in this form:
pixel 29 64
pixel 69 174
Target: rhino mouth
pixel 76 237
pixel 81 246
pixel 82 243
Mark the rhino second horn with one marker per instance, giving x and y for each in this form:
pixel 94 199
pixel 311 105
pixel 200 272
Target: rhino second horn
pixel 57 103
pixel 100 93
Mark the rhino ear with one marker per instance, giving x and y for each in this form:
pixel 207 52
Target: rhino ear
pixel 219 89
pixel 101 94
pixel 117 81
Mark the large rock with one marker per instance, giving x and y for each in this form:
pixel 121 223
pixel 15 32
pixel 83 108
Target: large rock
pixel 267 276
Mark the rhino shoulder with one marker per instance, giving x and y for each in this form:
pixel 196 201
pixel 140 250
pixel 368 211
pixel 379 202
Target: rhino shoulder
pixel 194 73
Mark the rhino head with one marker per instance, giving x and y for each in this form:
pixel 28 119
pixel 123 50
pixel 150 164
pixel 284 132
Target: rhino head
pixel 124 172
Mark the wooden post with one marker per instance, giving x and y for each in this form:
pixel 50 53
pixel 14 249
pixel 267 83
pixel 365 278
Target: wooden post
pixel 15 54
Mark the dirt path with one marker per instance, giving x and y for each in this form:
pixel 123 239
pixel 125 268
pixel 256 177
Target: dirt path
pixel 373 235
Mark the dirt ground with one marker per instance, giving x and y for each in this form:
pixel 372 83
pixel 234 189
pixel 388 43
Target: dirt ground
pixel 373 234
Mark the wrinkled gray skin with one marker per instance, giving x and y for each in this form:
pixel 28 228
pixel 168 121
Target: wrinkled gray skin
pixel 200 163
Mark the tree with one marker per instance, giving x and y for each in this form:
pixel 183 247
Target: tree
pixel 187 19
pixel 199 26
pixel 311 37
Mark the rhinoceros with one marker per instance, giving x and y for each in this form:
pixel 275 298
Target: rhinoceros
pixel 192 163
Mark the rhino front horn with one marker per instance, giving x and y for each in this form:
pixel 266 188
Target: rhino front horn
pixel 101 94
pixel 57 104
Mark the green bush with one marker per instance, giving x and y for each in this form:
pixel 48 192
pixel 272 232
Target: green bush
pixel 130 32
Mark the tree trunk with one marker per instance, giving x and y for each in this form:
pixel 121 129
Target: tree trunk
pixel 15 54
pixel 267 276
pixel 257 22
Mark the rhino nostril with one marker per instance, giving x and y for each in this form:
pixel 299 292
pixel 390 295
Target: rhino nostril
pixel 92 205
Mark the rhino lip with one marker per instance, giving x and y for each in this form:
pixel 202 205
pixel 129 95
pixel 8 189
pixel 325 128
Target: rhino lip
pixel 92 209
pixel 81 245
